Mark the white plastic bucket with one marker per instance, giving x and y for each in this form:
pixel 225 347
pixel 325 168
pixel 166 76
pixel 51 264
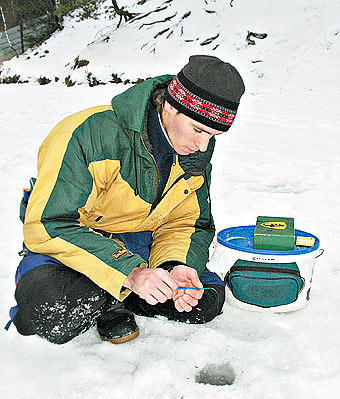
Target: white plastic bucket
pixel 236 243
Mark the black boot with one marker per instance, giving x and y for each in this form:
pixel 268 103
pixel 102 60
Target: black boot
pixel 117 324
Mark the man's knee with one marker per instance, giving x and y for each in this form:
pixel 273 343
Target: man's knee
pixel 57 303
pixel 211 306
pixel 49 320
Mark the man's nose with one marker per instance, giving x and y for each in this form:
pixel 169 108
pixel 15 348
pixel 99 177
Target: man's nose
pixel 202 142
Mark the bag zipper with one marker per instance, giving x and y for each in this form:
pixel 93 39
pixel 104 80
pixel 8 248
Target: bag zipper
pixel 265 270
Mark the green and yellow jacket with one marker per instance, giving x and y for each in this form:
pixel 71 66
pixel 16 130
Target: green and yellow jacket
pixel 96 171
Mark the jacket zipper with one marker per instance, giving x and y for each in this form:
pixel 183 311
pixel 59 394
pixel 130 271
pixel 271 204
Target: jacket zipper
pixel 157 170
pixel 264 269
pixel 157 175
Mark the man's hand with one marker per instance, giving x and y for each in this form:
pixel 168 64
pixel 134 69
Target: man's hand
pixel 153 285
pixel 185 276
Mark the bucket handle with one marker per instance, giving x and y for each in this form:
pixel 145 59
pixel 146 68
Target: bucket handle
pixel 321 251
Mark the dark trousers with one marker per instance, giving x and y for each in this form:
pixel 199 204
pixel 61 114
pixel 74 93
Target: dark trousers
pixel 58 303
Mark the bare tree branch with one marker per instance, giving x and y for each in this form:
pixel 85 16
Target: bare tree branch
pixel 122 13
pixel 249 39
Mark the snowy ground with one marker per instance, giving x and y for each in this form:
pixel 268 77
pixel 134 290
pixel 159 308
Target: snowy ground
pixel 281 158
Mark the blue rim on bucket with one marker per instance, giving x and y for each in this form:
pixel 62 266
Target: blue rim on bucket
pixel 241 238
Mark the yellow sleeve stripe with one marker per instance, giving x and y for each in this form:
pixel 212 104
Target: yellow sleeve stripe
pixel 36 238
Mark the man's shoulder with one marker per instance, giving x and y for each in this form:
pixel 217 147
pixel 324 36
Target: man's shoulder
pixel 71 122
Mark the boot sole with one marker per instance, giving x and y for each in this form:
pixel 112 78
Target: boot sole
pixel 122 340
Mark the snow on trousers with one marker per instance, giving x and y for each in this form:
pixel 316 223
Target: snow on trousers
pixel 59 303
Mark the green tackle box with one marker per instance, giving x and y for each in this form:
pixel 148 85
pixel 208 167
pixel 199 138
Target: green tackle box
pixel 274 233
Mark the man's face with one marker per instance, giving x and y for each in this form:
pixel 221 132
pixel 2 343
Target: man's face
pixel 185 134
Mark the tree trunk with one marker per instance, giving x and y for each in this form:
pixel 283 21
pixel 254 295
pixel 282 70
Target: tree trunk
pixel 56 17
pixel 6 32
pixel 22 38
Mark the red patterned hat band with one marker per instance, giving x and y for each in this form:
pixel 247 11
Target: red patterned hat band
pixel 202 110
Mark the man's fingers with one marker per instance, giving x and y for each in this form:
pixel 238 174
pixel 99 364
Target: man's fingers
pixel 184 304
pixel 157 283
pixel 150 299
pixel 157 296
pixel 160 292
pixel 166 284
pixel 186 276
pixel 187 302
pixel 160 296
pixel 190 300
pixel 170 286
pixel 178 305
pixel 197 294
pixel 194 279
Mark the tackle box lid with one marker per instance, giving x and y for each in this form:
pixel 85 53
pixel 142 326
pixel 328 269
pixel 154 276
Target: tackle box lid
pixel 241 238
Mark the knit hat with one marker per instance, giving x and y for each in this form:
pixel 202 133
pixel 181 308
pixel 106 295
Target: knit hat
pixel 207 90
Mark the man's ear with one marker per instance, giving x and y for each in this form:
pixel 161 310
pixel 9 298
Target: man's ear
pixel 169 108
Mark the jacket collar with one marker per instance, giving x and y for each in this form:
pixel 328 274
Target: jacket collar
pixel 137 98
pixel 196 163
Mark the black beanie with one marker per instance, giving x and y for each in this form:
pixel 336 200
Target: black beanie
pixel 207 90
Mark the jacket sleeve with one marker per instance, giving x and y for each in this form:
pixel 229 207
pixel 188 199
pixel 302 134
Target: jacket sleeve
pixel 188 232
pixel 63 186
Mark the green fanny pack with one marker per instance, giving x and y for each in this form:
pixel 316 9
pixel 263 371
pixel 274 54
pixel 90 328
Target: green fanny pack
pixel 265 284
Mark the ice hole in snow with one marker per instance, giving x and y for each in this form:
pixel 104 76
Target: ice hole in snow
pixel 216 374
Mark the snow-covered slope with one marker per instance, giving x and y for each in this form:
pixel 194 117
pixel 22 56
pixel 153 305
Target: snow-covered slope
pixel 281 158
pixel 302 37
